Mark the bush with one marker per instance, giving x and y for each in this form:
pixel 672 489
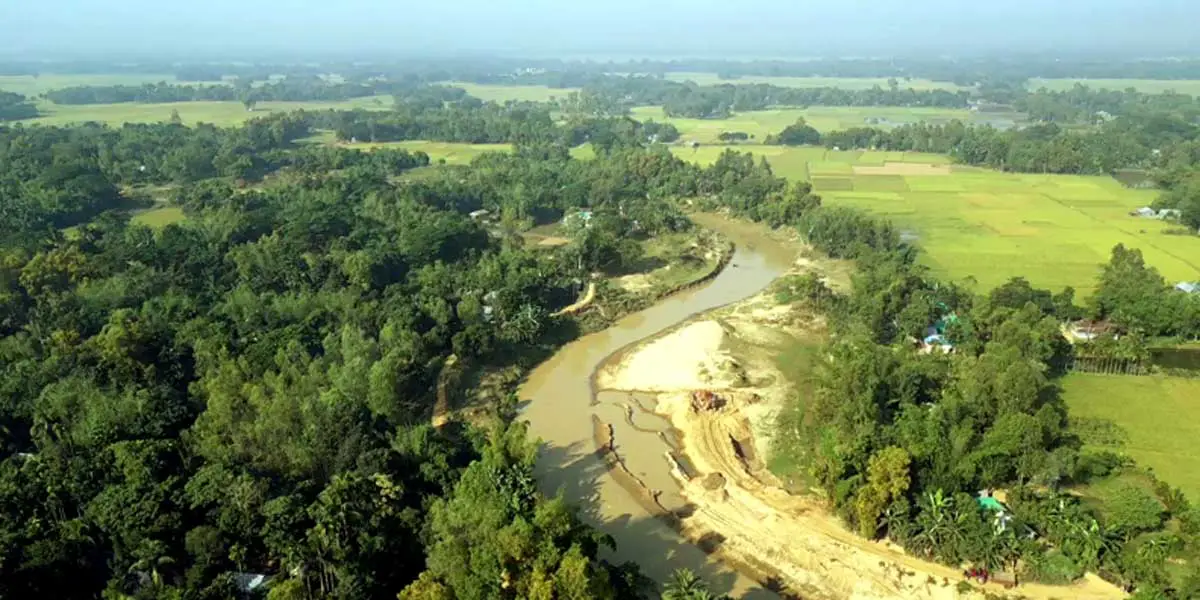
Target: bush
pixel 1132 510
pixel 1054 568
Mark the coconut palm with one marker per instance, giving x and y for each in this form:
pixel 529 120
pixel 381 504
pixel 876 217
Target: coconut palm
pixel 685 585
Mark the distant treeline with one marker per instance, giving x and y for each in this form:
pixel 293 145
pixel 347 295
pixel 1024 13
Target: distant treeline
pixel 616 94
pixel 960 70
pixel 310 89
pixel 472 121
pixel 14 107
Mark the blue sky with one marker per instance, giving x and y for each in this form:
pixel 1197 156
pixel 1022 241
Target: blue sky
pixel 750 28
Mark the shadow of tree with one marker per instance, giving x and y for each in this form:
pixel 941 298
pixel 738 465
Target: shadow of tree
pixel 578 472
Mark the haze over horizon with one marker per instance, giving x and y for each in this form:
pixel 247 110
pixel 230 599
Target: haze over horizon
pixel 227 29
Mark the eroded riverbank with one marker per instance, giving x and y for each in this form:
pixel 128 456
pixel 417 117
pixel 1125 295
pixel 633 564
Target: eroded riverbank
pixel 560 404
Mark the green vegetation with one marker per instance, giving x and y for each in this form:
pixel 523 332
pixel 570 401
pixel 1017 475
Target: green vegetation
pixel 453 153
pixel 249 389
pixel 845 83
pixel 1054 230
pixel 899 439
pixel 1160 417
pixel 1147 86
pixel 673 260
pixel 218 113
pixel 240 378
pixel 158 218
pixel 504 93
pixel 762 123
pixel 31 86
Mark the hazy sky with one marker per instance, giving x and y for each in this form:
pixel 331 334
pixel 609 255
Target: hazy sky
pixel 602 28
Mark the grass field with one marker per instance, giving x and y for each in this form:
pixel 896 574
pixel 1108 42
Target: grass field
pixel 761 123
pixel 1149 86
pixel 32 86
pixel 1054 230
pixel 503 93
pixel 452 153
pixel 159 217
pixel 218 113
pixel 845 83
pixel 1160 416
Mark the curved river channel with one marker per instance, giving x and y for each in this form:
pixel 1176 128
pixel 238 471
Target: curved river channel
pixel 561 402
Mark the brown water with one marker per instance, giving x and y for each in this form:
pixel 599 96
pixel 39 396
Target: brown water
pixel 561 404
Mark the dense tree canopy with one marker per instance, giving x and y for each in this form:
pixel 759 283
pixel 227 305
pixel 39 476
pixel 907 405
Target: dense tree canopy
pixel 14 107
pixel 248 391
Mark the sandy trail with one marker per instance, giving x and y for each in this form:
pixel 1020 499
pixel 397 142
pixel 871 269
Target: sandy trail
pixel 733 498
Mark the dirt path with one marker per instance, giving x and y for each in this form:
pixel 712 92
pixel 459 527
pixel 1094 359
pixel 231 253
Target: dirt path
pixel 582 303
pixel 734 503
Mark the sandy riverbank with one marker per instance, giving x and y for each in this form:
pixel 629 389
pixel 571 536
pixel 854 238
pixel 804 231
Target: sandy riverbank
pixel 734 503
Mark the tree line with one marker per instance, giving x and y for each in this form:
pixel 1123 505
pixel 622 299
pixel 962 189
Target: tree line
pixel 608 95
pixel 473 121
pixel 290 89
pixel 14 107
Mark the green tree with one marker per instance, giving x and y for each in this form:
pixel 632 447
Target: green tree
pixel 685 585
pixel 799 133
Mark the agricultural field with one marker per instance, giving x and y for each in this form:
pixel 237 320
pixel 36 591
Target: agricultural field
pixel 761 123
pixel 159 217
pixel 1054 230
pixel 504 93
pixel 1148 86
pixel 28 85
pixel 451 152
pixel 1160 417
pixel 845 83
pixel 217 113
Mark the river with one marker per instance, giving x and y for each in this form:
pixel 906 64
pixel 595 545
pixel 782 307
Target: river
pixel 560 403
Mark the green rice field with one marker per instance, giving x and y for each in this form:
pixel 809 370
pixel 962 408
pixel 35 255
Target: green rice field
pixel 217 113
pixel 1054 230
pixel 452 153
pixel 159 217
pixel 845 83
pixel 28 85
pixel 1149 86
pixel 1159 415
pixel 761 123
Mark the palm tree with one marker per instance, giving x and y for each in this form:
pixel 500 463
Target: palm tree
pixel 685 585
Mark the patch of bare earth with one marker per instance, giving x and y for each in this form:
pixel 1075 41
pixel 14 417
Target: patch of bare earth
pixel 902 168
pixel 551 241
pixel 716 381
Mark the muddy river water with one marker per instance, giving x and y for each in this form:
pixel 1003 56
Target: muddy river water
pixel 561 401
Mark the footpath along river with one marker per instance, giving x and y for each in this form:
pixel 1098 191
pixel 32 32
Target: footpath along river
pixel 561 404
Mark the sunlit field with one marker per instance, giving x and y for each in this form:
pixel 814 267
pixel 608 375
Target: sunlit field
pixel 31 86
pixel 159 217
pixel 845 83
pixel 1160 417
pixel 761 123
pixel 217 113
pixel 1055 230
